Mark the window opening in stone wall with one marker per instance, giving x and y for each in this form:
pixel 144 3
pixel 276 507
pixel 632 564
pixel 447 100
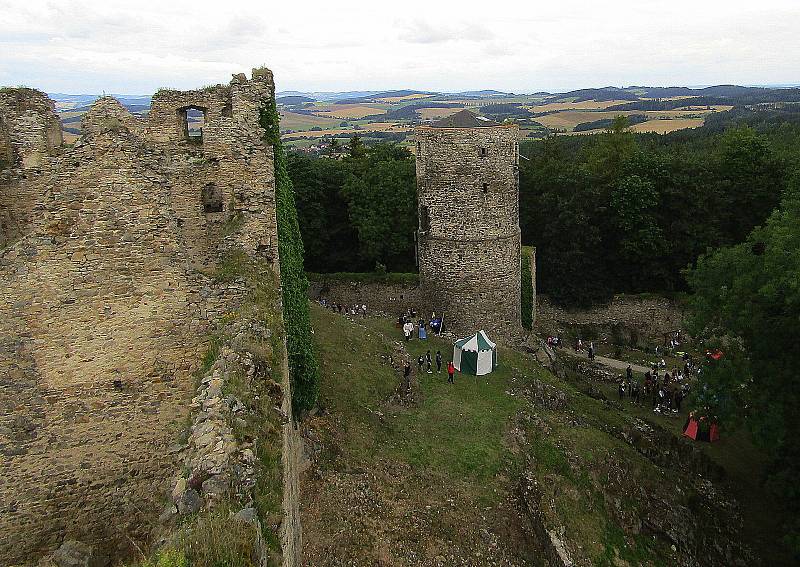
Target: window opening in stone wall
pixel 227 111
pixel 192 119
pixel 212 198
pixel 424 219
pixel 485 187
pixel 419 147
pixel 483 152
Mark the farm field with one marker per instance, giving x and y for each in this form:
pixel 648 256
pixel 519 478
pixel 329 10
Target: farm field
pixel 315 117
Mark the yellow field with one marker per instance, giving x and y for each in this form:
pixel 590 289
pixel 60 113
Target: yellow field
pixel 583 105
pixel 664 126
pixel 372 127
pixel 349 110
pixel 69 138
pixel 294 121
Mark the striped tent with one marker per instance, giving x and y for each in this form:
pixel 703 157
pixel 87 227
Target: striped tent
pixel 475 355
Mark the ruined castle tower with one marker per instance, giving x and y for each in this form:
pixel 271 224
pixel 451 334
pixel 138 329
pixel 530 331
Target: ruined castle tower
pixel 469 236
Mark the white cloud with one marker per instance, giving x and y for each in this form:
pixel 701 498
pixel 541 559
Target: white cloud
pixel 523 46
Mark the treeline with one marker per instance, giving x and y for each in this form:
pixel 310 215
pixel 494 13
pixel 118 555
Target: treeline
pixel 621 212
pixel 358 213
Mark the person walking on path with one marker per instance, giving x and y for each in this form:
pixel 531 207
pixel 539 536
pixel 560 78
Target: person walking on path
pixel 451 370
pixel 420 362
pixel 407 375
pixel 438 361
pixel 591 351
pixel 428 361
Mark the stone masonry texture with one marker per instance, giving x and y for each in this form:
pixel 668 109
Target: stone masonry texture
pixel 469 237
pixel 106 255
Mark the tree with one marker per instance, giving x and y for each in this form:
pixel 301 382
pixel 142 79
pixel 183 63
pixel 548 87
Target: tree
pixel 751 179
pixel 382 200
pixel 747 301
pixel 639 238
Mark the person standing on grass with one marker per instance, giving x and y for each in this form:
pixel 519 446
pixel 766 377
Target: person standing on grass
pixel 451 370
pixel 428 361
pixel 591 351
pixel 420 362
pixel 621 388
pixel 438 361
pixel 407 373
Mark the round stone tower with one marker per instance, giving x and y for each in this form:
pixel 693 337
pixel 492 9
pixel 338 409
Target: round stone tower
pixel 468 242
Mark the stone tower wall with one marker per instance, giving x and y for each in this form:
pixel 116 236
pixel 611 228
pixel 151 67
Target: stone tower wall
pixel 107 305
pixel 469 238
pixel 30 130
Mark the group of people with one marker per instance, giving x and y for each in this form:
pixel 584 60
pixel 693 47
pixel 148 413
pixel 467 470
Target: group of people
pixel 426 361
pixel 359 309
pixel 667 391
pixel 409 322
pixel 590 352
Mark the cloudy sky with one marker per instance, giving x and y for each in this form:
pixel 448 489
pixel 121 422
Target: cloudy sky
pixel 136 46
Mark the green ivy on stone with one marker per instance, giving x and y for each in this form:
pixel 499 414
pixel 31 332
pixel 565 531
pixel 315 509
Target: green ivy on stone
pixel 303 369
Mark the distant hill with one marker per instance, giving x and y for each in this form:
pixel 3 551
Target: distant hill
pixel 486 93
pixel 384 94
pixel 293 100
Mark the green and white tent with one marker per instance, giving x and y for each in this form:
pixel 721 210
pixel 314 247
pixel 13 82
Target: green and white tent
pixel 475 355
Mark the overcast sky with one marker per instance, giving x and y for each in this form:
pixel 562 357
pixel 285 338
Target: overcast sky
pixel 133 47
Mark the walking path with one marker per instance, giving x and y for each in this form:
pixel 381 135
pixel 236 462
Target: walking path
pixel 610 362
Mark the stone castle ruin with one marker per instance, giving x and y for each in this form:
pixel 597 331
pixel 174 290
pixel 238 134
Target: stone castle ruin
pixel 469 237
pixel 106 251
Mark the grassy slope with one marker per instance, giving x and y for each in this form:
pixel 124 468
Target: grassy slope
pixel 476 435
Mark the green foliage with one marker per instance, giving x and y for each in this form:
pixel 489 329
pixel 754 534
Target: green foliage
pixel 527 288
pixel 747 302
pixel 359 210
pixel 166 558
pixel 624 212
pixel 303 369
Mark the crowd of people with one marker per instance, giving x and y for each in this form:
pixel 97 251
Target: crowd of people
pixel 665 390
pixel 409 323
pixel 359 309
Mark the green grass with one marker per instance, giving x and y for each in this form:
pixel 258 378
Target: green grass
pixel 460 434
pixel 455 431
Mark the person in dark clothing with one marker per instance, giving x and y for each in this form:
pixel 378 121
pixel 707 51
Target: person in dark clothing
pixel 428 361
pixel 420 362
pixel 407 374
pixel 629 374
pixel 621 388
pixel 438 361
pixel 451 370
pixel 635 392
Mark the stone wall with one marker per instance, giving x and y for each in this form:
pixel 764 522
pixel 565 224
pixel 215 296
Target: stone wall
pixel 469 238
pixel 108 301
pixel 388 299
pixel 648 316
pixel 29 127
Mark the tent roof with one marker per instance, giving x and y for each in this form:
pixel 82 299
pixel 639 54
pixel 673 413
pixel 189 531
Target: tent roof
pixel 477 342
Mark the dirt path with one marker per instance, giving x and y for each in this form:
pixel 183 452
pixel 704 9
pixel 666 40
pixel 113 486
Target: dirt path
pixel 610 362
